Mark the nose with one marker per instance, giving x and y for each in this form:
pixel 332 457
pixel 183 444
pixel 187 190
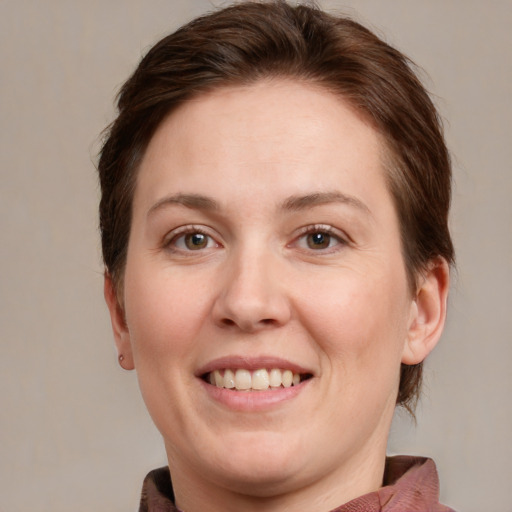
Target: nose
pixel 251 296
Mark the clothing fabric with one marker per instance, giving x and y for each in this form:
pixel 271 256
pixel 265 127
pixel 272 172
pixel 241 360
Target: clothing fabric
pixel 411 484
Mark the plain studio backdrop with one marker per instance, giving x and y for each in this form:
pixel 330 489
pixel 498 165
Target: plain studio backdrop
pixel 74 431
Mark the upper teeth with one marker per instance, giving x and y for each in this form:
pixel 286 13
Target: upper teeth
pixel 257 380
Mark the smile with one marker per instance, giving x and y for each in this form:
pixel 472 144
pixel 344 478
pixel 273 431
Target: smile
pixel 258 380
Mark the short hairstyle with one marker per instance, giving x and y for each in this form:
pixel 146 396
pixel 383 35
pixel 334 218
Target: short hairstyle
pixel 251 41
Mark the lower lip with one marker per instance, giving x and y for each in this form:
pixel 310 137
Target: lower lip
pixel 253 401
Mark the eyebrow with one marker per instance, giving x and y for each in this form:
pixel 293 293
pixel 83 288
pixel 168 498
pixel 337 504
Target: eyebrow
pixel 296 203
pixel 193 201
pixel 293 203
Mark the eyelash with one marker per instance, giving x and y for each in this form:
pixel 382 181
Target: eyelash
pixel 322 229
pixel 171 242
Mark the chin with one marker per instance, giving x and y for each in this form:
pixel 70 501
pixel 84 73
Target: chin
pixel 262 481
pixel 260 465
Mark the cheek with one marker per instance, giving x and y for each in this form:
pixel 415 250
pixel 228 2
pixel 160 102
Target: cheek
pixel 163 312
pixel 360 323
pixel 164 315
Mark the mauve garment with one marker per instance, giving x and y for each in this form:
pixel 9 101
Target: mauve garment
pixel 410 485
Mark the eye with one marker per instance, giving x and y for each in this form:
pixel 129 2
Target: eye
pixel 195 241
pixel 192 240
pixel 320 238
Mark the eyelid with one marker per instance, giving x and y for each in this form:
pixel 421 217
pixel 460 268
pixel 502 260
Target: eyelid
pixel 339 235
pixel 179 232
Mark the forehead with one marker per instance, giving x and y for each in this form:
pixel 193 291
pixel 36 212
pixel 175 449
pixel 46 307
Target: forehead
pixel 298 131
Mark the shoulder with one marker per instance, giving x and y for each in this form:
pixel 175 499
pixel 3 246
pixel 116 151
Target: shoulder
pixel 157 493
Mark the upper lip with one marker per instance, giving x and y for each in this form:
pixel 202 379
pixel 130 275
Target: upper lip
pixel 251 363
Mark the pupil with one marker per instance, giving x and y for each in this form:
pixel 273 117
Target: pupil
pixel 318 240
pixel 196 241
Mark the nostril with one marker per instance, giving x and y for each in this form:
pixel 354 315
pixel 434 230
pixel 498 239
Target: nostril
pixel 248 326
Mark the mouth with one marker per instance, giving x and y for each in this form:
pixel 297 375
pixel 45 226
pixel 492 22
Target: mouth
pixel 262 379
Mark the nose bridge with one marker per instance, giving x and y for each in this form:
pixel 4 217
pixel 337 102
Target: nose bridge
pixel 251 296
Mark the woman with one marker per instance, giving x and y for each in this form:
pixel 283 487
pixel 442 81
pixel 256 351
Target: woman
pixel 275 193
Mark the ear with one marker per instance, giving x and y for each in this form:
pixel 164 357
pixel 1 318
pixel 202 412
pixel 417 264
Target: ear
pixel 428 312
pixel 119 327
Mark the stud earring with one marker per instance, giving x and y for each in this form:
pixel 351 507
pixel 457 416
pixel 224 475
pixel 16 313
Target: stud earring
pixel 121 359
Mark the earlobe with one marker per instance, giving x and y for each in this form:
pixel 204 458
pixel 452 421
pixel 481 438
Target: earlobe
pixel 119 327
pixel 428 312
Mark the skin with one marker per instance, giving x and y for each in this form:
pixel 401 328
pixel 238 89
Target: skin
pixel 277 158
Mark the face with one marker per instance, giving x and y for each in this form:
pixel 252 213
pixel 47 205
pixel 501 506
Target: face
pixel 265 254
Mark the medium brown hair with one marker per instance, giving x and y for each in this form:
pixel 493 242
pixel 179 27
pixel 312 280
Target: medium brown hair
pixel 251 41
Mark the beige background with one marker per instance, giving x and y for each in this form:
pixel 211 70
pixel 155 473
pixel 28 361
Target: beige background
pixel 74 432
